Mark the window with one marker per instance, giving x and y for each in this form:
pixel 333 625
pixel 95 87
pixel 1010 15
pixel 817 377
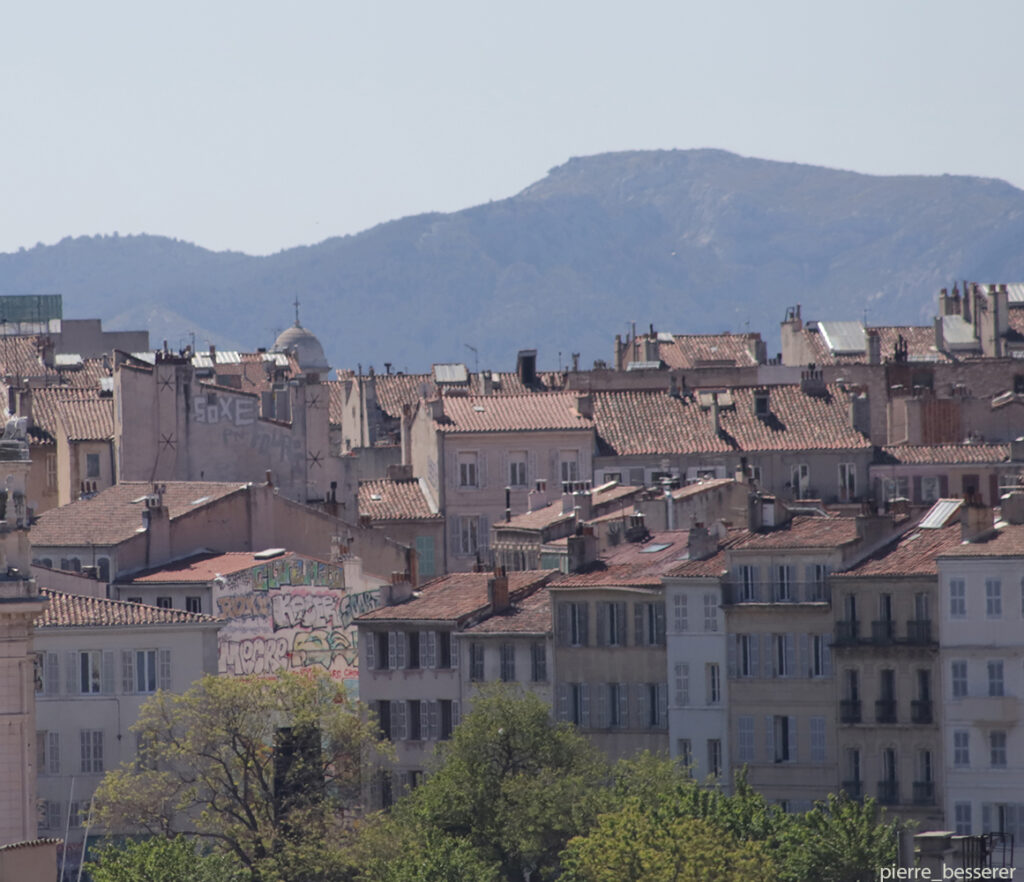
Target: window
pixel 847 481
pixel 47 673
pixel 782 655
pixel 853 764
pixel 817 582
pixel 997 749
pixel 48 753
pixel 396 647
pixel 92 751
pixel 92 465
pixel 896 488
pixel 784 583
pixel 579 704
pixel 745 739
pixel 517 469
pixel 929 488
pixel 649 624
pixel 962 818
pixel 399 719
pixel 164 602
pixel 852 684
pixel 412 646
pixel 569 468
pixel 800 480
pixel 194 604
pixel 680 617
pixel 993 599
pixel 657 705
pixel 782 738
pixel 508 663
pixel 821 661
pixel 710 612
pixel 747 655
pixel 538 663
pixel 682 678
pixel 684 752
pixel 958 678
pixel 818 739
pixel 476 662
pixel 445 657
pixel 467 470
pixel 145 671
pixel 572 624
pixel 414 721
pixel 714 757
pixel 713 684
pixel 51 471
pixel 961 748
pixel 746 580
pixel 449 712
pixel 425 561
pixel 469 535
pixel 611 624
pixel 957 599
pixel 90 667
pixel 995 678
pixel 617 713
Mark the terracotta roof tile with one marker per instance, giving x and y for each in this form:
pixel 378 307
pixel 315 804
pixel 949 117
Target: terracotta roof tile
pixel 204 567
pixel 1007 541
pixel 802 532
pixel 911 555
pixel 82 413
pixel 946 454
pixel 335 402
pixel 505 413
pixel 538 519
pixel 385 500
pixel 920 341
pixel 394 390
pixel 529 616
pixel 648 423
pixel 114 515
pixel 454 597
pixel 692 350
pixel 80 611
pixel 636 565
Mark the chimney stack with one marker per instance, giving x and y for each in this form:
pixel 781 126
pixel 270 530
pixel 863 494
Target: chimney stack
pixel 497 592
pixel 585 406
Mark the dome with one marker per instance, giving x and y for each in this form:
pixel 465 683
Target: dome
pixel 308 351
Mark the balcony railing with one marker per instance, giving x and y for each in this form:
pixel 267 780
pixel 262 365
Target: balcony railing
pixel 853 789
pixel 885 710
pixel 776 592
pixel 881 632
pixel 849 711
pixel 846 632
pixel 919 631
pixel 924 793
pixel 921 711
pixel 889 792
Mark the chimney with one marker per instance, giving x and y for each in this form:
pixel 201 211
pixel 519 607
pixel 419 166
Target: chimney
pixel 651 349
pixel 1017 450
pixel 860 413
pixel 157 524
pixel 538 496
pixel 1011 507
pixel 583 505
pixel 568 502
pixel 716 425
pixel 485 382
pixel 874 346
pixel 582 549
pixel 436 406
pixel 975 519
pixel 398 472
pixel 701 543
pixel 585 406
pixel 812 382
pixel 940 337
pixel 213 353
pixel 968 303
pixel 670 510
pixel 526 366
pixel 497 592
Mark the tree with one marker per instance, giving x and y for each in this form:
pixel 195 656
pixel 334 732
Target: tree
pixel 266 770
pixel 160 859
pixel 511 784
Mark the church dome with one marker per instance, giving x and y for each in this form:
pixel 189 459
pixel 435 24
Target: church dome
pixel 308 351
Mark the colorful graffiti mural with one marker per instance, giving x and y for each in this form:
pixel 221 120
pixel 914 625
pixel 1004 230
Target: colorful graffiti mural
pixel 290 614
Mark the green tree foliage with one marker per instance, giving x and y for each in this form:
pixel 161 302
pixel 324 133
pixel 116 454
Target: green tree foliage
pixel 266 770
pixel 160 859
pixel 511 784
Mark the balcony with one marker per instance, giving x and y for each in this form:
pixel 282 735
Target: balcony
pixel 849 711
pixel 737 591
pixel 885 710
pixel 919 632
pixel 881 632
pixel 924 793
pixel 853 789
pixel 889 792
pixel 921 712
pixel 846 633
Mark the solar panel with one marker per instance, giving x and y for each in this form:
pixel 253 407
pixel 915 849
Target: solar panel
pixel 940 513
pixel 843 338
pixel 451 373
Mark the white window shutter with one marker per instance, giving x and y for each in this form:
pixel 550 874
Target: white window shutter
pixel 602 624
pixel 792 740
pixel 562 623
pixel 401 645
pixel 392 650
pixel 663 705
pixel 767 649
pixel 164 672
pixel 790 652
pixel 369 640
pixel 456 714
pixel 805 664
pixel 585 705
pixel 456 649
pixel 755 656
pixel 425 734
pixel 826 654
pixel 638 625
pixel 398 727
pixel 433 726
pixel 52 684
pixel 623 705
pixel 72 679
pixel 127 672
pixel 640 704
pixel 732 645
pixel 563 701
pixel 769 738
pixel 601 708
pixel 53 752
pixel 108 672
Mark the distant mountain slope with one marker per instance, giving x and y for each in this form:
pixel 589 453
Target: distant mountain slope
pixel 696 240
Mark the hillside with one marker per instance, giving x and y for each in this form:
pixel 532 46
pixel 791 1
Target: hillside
pixel 698 240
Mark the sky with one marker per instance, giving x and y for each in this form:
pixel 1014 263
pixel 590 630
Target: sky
pixel 258 126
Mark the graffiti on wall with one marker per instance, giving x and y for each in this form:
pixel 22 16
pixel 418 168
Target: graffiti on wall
pixel 290 614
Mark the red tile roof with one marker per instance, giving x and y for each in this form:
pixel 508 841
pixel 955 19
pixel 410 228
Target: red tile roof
pixel 636 565
pixel 911 555
pixel 115 514
pixel 529 616
pixel 80 611
pixel 802 532
pixel 204 567
pixel 385 500
pixel 538 519
pixel 1007 541
pixel 82 413
pixel 510 413
pixel 335 402
pixel 946 454
pixel 454 597
pixel 394 390
pixel 692 350
pixel 920 341
pixel 649 423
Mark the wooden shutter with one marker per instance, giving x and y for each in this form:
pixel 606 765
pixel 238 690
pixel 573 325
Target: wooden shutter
pixel 108 673
pixel 369 639
pixel 428 649
pixel 755 656
pixel 642 720
pixel 392 649
pixel 602 624
pixel 792 739
pixel 127 672
pixel 638 625
pixel 563 701
pixel 826 655
pixel 53 753
pixel 584 623
pixel 805 663
pixel 769 739
pixel 659 623
pixel 401 649
pixel 623 705
pixel 72 680
pixel 662 705
pixel 585 705
pixel 601 707
pixel 790 647
pixel 164 670
pixel 52 684
pixel 562 623
pixel 732 645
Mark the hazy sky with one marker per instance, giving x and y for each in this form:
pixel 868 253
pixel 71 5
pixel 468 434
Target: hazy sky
pixel 257 126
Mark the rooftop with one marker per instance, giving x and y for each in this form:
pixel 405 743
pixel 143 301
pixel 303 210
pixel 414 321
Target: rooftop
pixel 387 500
pixel 115 514
pixel 635 565
pixel 505 413
pixel 531 615
pixel 802 531
pixel 454 597
pixel 693 350
pixel 913 554
pixel 80 611
pixel 946 454
pixel 205 567
pixel 82 413
pixel 1006 541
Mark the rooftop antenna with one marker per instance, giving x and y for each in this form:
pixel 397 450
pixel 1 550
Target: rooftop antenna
pixel 297 311
pixel 476 358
